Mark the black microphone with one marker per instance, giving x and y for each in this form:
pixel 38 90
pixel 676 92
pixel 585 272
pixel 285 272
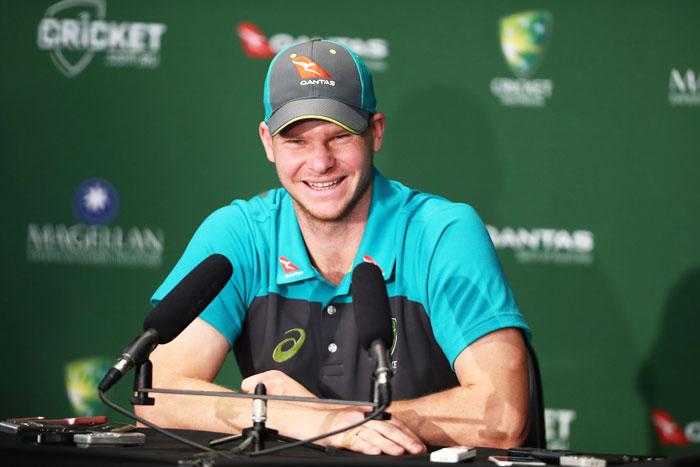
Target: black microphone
pixel 373 321
pixel 173 314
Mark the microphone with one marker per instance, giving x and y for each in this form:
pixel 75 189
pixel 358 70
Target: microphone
pixel 373 322
pixel 173 314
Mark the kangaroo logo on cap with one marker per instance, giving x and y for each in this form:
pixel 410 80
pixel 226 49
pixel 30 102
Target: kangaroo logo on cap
pixel 307 68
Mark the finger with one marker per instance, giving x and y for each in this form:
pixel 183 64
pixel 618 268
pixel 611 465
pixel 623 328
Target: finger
pixel 248 384
pixel 378 439
pixel 360 445
pixel 402 437
pixel 419 445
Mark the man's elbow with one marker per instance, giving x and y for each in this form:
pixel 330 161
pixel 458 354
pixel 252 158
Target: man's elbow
pixel 507 434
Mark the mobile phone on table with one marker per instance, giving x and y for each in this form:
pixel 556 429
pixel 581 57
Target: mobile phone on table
pixel 507 461
pixel 85 440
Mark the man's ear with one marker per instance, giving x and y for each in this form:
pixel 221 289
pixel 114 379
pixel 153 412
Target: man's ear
pixel 266 139
pixel 376 125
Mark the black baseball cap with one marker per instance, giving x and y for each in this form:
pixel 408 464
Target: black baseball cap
pixel 318 79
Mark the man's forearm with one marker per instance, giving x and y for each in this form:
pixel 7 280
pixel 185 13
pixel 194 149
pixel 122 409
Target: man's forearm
pixel 462 416
pixel 226 414
pixel 489 408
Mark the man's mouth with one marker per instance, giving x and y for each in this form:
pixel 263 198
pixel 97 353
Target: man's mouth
pixel 323 186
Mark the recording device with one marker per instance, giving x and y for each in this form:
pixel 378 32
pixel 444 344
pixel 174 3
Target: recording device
pixel 453 454
pixel 173 314
pixel 549 456
pixel 373 322
pixel 507 461
pixel 85 440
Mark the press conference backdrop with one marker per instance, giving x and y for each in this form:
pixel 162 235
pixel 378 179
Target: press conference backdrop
pixel 572 127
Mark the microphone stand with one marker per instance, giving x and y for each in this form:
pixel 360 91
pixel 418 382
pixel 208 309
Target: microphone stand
pixel 143 378
pixel 258 433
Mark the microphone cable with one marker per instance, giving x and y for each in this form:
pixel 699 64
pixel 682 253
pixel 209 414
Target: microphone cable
pixel 377 412
pixel 160 430
pixel 373 415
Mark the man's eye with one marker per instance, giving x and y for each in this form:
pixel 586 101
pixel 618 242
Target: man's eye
pixel 343 136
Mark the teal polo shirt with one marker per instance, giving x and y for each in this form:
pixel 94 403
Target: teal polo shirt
pixel 444 280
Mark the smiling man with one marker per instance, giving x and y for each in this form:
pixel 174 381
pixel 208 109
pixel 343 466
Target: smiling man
pixel 287 313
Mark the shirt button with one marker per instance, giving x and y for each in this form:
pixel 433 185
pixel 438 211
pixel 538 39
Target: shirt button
pixel 332 347
pixel 331 310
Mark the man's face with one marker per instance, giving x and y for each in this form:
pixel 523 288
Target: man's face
pixel 326 169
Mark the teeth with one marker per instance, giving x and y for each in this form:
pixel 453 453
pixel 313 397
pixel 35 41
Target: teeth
pixel 323 185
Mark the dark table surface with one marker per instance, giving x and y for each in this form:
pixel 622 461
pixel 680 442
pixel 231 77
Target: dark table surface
pixel 160 450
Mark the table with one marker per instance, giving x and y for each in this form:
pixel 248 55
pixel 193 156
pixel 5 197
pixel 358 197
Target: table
pixel 160 450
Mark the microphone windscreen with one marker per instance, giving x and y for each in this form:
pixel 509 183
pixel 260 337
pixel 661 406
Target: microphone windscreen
pixel 371 303
pixel 189 298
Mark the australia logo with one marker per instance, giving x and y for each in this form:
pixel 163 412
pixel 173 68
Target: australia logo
pixel 525 38
pixel 524 41
pixel 73 31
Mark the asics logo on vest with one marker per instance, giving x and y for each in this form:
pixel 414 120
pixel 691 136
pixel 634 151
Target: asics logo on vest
pixel 280 354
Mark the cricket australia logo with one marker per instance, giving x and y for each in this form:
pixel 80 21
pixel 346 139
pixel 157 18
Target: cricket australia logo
pixel 73 31
pixel 524 41
pixel 288 347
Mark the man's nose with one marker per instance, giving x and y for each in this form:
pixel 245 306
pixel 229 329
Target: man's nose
pixel 321 159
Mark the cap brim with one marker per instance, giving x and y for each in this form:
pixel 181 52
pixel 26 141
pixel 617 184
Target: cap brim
pixel 352 119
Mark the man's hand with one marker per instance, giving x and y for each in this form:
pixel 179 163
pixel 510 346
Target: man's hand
pixel 276 383
pixel 391 437
pixel 375 437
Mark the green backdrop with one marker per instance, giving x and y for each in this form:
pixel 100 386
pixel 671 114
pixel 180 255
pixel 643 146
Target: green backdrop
pixel 572 127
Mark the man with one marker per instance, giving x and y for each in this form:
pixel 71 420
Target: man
pixel 458 347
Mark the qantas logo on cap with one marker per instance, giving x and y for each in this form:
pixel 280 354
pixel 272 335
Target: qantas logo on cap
pixel 307 68
pixel 290 269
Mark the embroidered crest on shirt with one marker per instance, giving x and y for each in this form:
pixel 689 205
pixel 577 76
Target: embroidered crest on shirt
pixel 290 269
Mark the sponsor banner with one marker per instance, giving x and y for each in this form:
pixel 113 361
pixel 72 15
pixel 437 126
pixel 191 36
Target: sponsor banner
pixel 91 241
pixel 74 31
pixel 558 427
pixel 545 245
pixel 671 433
pixel 683 88
pixel 524 41
pixel 374 51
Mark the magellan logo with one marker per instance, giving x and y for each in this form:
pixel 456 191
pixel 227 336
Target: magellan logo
pixel 92 240
pixel 96 201
pixel 293 343
pixel 524 41
pixel 255 44
pixel 670 433
pixel 683 89
pixel 545 245
pixel 73 31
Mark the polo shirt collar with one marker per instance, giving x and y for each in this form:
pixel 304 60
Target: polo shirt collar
pixel 377 245
pixel 293 263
